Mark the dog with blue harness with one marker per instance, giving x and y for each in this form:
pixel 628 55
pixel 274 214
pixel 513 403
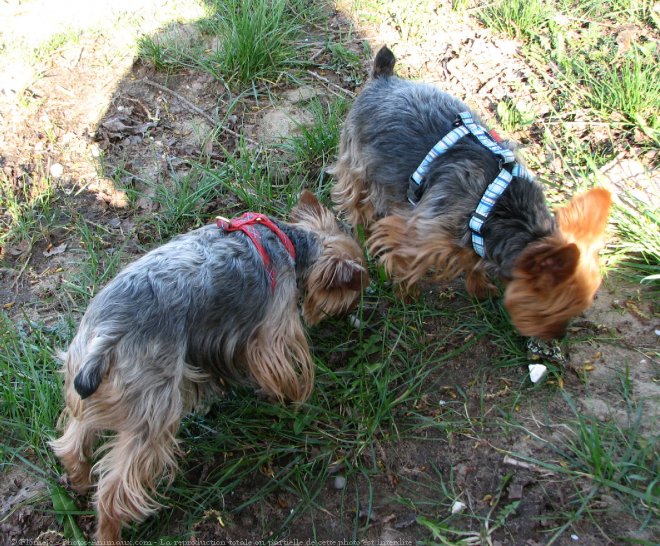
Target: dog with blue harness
pixel 439 195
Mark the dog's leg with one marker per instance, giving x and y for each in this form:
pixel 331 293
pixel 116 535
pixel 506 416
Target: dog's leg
pixel 129 474
pixel 145 414
pixel 74 448
pixel 410 247
pixel 477 282
pixel 351 191
pixel 278 356
pixel 394 244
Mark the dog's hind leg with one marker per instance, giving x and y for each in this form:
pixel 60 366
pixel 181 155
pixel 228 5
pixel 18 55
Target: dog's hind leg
pixel 410 247
pixel 74 449
pixel 143 452
pixel 351 191
pixel 129 474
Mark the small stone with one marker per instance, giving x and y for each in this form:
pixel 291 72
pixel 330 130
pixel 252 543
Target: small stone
pixel 340 482
pixel 56 170
pixel 516 491
pixel 575 537
pixel 355 322
pixel 537 372
pixel 457 507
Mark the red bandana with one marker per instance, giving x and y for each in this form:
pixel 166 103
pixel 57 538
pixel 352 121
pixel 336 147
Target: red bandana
pixel 244 223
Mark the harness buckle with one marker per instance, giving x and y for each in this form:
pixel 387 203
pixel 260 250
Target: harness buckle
pixel 481 218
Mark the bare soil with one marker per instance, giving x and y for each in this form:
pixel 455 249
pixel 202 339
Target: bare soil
pixel 103 120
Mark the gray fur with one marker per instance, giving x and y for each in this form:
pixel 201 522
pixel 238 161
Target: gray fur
pixel 394 123
pixel 197 299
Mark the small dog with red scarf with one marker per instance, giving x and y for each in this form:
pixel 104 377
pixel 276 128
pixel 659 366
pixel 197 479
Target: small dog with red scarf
pixel 441 195
pixel 217 304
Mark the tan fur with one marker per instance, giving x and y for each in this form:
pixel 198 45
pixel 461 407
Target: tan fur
pixel 278 358
pixel 350 192
pixel 557 278
pixel 413 246
pixel 334 284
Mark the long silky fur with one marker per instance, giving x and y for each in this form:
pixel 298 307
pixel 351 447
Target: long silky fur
pixel 389 130
pixel 176 325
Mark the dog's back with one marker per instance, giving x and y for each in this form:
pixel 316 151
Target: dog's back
pixel 185 290
pixel 391 127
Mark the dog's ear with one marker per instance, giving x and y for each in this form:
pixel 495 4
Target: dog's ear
pixel 309 200
pixel 549 263
pixel 308 207
pixel 383 63
pixel 346 273
pixel 585 218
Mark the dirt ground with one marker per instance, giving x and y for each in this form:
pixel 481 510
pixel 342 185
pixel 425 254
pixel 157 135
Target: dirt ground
pixel 90 120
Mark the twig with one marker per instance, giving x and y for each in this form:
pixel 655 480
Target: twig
pixel 527 466
pixel 197 110
pixel 330 84
pixel 20 273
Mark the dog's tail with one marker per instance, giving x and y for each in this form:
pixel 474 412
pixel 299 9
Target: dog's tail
pixel 95 362
pixel 383 63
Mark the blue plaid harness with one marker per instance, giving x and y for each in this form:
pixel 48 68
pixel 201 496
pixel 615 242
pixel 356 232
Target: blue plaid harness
pixel 464 125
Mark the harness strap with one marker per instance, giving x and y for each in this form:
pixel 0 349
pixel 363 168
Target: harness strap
pixel 464 125
pixel 245 223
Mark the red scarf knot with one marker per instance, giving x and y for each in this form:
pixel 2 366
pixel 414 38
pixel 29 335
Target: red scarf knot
pixel 245 224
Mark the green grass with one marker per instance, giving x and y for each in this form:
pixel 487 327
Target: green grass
pixel 169 52
pixel 181 202
pixel 627 87
pixel 393 379
pixel 55 43
pixel 314 146
pixel 98 264
pixel 516 18
pixel 25 207
pixel 616 458
pixel 29 382
pixel 256 41
pixel 255 178
pixel 637 252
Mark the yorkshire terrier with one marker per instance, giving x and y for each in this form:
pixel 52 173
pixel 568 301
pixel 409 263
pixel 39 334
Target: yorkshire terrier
pixel 217 304
pixel 439 194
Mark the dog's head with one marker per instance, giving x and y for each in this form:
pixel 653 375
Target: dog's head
pixel 556 278
pixel 338 275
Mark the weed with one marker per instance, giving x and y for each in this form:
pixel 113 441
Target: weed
pixel 629 87
pixel 514 115
pixel 182 202
pixel 250 176
pixel 29 382
pixel 56 42
pixel 166 55
pixel 100 264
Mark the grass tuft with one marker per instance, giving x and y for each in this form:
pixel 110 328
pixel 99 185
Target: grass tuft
pixel 25 205
pixel 627 87
pixel 256 41
pixel 516 18
pixel 638 248
pixel 315 145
